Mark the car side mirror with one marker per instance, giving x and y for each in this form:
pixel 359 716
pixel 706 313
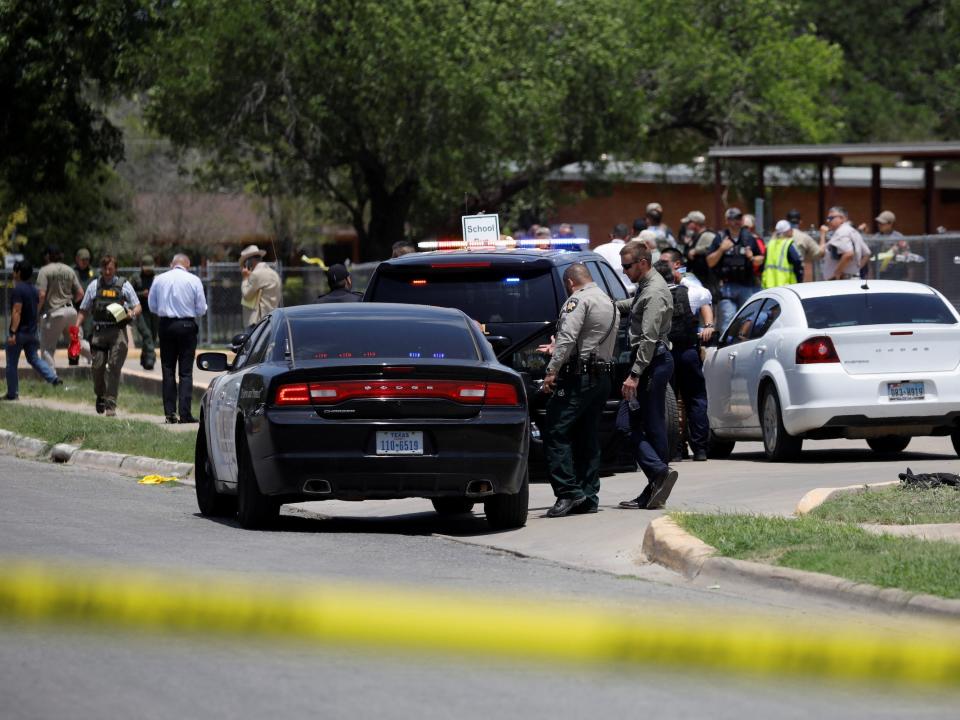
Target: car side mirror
pixel 237 342
pixel 213 361
pixel 499 342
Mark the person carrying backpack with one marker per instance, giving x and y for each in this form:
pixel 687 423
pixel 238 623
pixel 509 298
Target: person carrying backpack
pixel 688 383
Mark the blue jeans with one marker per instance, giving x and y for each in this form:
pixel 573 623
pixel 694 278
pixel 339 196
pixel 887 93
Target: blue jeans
pixel 29 343
pixel 732 298
pixel 648 425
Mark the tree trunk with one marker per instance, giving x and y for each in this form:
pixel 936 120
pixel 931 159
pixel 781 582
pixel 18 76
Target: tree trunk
pixel 388 218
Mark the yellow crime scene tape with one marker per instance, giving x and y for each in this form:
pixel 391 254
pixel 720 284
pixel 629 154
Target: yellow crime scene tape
pixel 390 618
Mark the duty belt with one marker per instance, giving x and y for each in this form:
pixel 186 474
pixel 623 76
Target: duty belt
pixel 591 367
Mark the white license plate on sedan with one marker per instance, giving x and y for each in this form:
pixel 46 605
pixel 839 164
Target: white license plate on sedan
pixel 399 442
pixel 905 390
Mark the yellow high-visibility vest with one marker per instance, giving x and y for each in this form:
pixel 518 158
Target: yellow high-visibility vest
pixel 777 269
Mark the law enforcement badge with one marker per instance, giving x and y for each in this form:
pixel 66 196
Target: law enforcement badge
pixel 571 305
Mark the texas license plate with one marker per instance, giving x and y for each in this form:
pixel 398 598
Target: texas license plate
pixel 400 442
pixel 905 390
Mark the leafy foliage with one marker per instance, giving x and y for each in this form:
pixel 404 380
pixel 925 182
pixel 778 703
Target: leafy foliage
pixel 400 110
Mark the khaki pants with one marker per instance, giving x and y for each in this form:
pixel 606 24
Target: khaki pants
pixel 109 353
pixel 52 326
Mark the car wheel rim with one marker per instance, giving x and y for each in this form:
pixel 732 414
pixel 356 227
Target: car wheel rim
pixel 770 428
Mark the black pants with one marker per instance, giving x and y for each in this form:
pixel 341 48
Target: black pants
pixel 178 345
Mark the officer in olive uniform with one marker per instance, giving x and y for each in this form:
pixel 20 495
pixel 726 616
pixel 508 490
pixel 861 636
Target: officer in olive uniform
pixel 645 389
pixel 579 376
pixel 113 303
pixel 85 275
pixel 147 324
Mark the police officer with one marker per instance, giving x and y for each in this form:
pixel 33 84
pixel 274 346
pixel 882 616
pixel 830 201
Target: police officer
pixel 732 256
pixel 578 375
pixel 113 303
pixel 645 389
pixel 341 286
pixel 147 325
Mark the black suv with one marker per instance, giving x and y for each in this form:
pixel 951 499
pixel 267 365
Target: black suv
pixel 516 296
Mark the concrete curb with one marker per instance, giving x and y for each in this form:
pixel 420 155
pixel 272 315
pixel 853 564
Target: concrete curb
pixel 818 496
pixel 132 465
pixel 666 543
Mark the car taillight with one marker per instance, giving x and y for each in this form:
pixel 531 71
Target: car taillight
pixel 470 393
pixel 817 350
pixel 501 394
pixel 293 395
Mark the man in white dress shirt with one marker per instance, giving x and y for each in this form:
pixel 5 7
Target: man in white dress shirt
pixel 611 253
pixel 177 299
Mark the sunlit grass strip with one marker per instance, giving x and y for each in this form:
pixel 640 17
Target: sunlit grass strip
pixel 896 505
pixel 97 432
pixel 384 618
pixel 834 548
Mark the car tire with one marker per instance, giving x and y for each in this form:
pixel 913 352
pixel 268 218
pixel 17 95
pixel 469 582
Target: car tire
pixel 452 505
pixel 672 419
pixel 210 502
pixel 508 512
pixel 778 444
pixel 718 448
pixel 890 444
pixel 254 509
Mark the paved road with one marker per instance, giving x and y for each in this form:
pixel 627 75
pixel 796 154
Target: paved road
pixel 56 512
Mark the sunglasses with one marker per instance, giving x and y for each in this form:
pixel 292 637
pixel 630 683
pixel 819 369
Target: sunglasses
pixel 833 217
pixel 627 266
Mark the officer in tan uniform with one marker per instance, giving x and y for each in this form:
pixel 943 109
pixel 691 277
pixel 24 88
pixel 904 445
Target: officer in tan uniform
pixel 579 376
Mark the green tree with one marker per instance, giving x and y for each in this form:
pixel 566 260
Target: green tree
pixel 399 111
pixel 901 69
pixel 58 63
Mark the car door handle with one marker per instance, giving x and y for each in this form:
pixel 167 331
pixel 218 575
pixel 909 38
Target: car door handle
pixel 731 357
pixel 761 350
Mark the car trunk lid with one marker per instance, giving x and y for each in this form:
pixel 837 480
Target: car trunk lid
pixel 905 349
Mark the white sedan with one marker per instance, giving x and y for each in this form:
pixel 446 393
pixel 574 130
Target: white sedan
pixel 846 359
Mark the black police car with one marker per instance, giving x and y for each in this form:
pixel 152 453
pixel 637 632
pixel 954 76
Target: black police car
pixel 358 401
pixel 515 295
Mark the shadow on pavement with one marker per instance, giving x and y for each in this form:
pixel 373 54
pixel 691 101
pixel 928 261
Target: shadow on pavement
pixel 293 520
pixel 853 455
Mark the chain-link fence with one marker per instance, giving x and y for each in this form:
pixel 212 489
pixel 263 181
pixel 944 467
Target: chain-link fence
pixel 221 282
pixel 930 259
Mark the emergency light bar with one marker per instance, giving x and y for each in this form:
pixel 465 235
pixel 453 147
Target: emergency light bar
pixel 508 243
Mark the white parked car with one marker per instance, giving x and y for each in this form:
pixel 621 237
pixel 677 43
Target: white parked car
pixel 878 361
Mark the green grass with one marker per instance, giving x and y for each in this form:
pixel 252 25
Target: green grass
pixel 894 505
pixel 95 432
pixel 80 391
pixel 834 548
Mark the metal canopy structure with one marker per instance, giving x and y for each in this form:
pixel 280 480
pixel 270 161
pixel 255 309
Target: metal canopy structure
pixel 827 157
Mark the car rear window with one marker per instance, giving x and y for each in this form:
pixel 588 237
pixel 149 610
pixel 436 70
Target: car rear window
pixel 367 338
pixel 868 308
pixel 487 296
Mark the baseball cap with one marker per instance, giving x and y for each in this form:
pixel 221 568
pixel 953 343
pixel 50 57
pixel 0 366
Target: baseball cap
pixel 147 261
pixel 52 250
pixel 83 254
pixel 793 215
pixel 886 217
pixel 782 226
pixel 654 207
pixel 696 216
pixel 337 273
pixel 734 213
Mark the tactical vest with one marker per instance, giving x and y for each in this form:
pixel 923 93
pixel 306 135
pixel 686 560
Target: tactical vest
pixel 683 326
pixel 107 295
pixel 777 269
pixel 734 266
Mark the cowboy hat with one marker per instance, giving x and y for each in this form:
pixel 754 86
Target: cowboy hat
pixel 250 251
